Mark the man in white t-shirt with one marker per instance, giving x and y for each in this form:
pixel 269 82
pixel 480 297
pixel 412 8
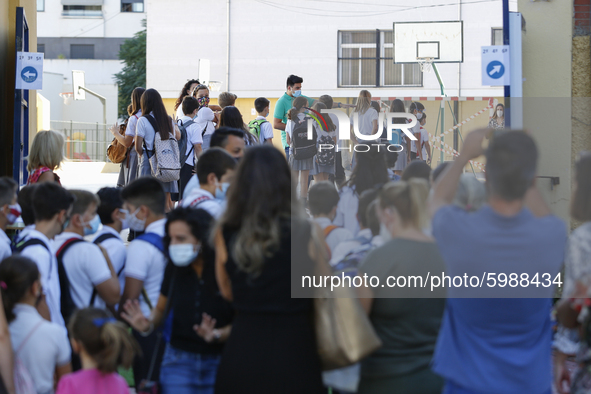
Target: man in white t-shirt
pixel 323 199
pixel 194 140
pixel 215 169
pixel 52 205
pixel 91 276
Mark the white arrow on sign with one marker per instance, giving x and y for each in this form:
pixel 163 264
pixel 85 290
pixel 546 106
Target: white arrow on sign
pixel 28 74
pixel 495 69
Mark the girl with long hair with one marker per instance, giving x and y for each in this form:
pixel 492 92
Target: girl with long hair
pixel 327 137
pixel 262 243
pixel 152 105
pixel 187 90
pixel 367 116
pixel 301 168
pixel 231 117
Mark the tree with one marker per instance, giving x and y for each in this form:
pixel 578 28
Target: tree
pixel 133 55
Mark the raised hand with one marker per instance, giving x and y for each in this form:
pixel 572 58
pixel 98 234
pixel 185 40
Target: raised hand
pixel 206 329
pixel 134 316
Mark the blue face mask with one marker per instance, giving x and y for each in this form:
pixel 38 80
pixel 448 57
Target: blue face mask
pixel 221 194
pixel 297 93
pixel 94 225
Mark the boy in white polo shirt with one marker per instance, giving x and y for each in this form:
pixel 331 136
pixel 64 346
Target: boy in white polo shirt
pixel 194 140
pixel 260 126
pixel 52 205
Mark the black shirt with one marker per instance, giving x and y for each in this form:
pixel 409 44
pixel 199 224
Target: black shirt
pixel 191 297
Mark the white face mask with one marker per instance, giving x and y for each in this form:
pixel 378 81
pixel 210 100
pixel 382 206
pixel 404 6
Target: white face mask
pixel 124 221
pixel 385 233
pixel 419 115
pixel 136 224
pixel 499 113
pixel 183 254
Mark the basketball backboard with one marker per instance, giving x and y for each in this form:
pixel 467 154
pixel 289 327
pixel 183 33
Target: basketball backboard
pixel 441 41
pixel 77 82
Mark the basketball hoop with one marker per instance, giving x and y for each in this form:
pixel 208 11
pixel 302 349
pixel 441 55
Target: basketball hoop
pixel 425 63
pixel 67 97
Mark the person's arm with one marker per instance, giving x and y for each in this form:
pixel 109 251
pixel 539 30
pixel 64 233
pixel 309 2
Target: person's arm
pixel 287 139
pixel 139 141
pixel 43 308
pixel 198 150
pixel 374 128
pixel 278 124
pixel 561 372
pixel 445 188
pixel 47 176
pixel 419 138
pixel 214 107
pixel 6 355
pixel 208 332
pixel 408 146
pixel 221 257
pixel 428 149
pixel 131 291
pixel 177 131
pixel 109 290
pixel 125 140
pixel 132 314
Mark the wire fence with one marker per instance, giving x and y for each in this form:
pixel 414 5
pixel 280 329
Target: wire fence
pixel 84 141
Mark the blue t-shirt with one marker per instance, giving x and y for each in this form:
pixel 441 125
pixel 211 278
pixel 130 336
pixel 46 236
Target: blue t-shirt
pixel 497 345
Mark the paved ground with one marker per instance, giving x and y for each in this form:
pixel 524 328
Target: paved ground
pixel 87 176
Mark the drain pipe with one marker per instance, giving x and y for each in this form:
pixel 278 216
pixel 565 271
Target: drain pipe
pixel 459 64
pixel 227 45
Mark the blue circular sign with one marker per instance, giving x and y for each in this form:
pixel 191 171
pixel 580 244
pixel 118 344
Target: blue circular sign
pixel 495 69
pixel 29 74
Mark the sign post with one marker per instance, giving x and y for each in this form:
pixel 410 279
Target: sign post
pixel 29 71
pixel 496 67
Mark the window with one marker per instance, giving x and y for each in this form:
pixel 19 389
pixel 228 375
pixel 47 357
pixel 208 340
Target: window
pixel 497 36
pixel 83 10
pixel 132 5
pixel 366 59
pixel 40 5
pixel 81 51
pixel 41 48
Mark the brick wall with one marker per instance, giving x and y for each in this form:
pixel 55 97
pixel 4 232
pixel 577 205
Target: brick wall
pixel 582 17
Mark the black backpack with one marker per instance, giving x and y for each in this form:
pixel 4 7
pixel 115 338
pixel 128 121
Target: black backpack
pixel 326 156
pixel 183 141
pixel 67 305
pixel 303 148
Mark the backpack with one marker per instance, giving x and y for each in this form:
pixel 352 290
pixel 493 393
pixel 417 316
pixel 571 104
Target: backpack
pixel 325 157
pixel 23 381
pixel 67 305
pixel 254 127
pixel 183 141
pixel 303 148
pixel 116 151
pixel 98 241
pixel 165 160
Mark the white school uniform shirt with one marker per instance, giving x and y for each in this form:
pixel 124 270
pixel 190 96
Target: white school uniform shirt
pixel 45 349
pixel 346 216
pixel 86 268
pixel 132 124
pixel 116 251
pixel 366 121
pixel 266 129
pixel 5 250
pixel 24 233
pixel 336 236
pixel 146 131
pixel 346 247
pixel 179 111
pixel 193 137
pixel 424 138
pixel 192 184
pixel 47 264
pixel 202 199
pixel 415 130
pixel 205 117
pixel 146 263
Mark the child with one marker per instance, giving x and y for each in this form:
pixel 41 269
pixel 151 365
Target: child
pixel 9 212
pixel 194 141
pixel 323 200
pixel 425 140
pixel 46 155
pixel 260 126
pixel 324 162
pixel 214 170
pixel 25 201
pixel 416 109
pixel 40 346
pixel 300 167
pixel 103 345
pixel 227 99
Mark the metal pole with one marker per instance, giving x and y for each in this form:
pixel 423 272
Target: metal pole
pixel 442 116
pixel 506 41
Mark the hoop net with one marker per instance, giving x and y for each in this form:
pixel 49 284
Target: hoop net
pixel 67 97
pixel 425 63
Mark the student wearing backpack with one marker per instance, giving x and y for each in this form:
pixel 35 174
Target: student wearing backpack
pixel 215 169
pixel 260 126
pixel 302 150
pixel 190 141
pixel 9 212
pixel 145 201
pixel 231 117
pixel 324 161
pixel 41 348
pixel 155 119
pixel 92 278
pixel 53 206
pixel 114 220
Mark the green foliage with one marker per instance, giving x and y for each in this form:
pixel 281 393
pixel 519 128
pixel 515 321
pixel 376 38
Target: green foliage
pixel 133 55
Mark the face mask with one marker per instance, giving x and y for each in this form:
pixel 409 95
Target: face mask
pixel 221 194
pixel 183 254
pixel 14 212
pixel 499 113
pixel 124 221
pixel 203 101
pixel 136 224
pixel 94 225
pixel 419 115
pixel 297 93
pixel 65 225
pixel 385 233
pixel 237 160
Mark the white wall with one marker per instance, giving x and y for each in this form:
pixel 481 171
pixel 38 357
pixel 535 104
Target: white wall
pixel 267 43
pixel 113 23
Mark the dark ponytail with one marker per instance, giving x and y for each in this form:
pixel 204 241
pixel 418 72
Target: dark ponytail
pixel 151 103
pixel 17 275
pixel 106 340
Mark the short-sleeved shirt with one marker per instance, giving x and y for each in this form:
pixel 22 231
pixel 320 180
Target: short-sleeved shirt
pixel 5 250
pixel 204 120
pixel 191 298
pixel 408 326
pixel 45 259
pixel 282 107
pixel 146 131
pixel 115 250
pixel 193 138
pixel 497 345
pixel 146 263
pixel 336 236
pixel 202 199
pixel 45 349
pixel 79 382
pixel 415 130
pixel 346 216
pixel 132 124
pixel 85 266
pixel 366 120
pixel 266 130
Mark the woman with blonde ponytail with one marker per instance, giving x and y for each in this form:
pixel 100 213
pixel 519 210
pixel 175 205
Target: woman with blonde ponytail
pixel 405 316
pixel 103 345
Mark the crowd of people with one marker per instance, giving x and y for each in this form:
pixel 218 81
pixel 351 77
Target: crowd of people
pixel 223 226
